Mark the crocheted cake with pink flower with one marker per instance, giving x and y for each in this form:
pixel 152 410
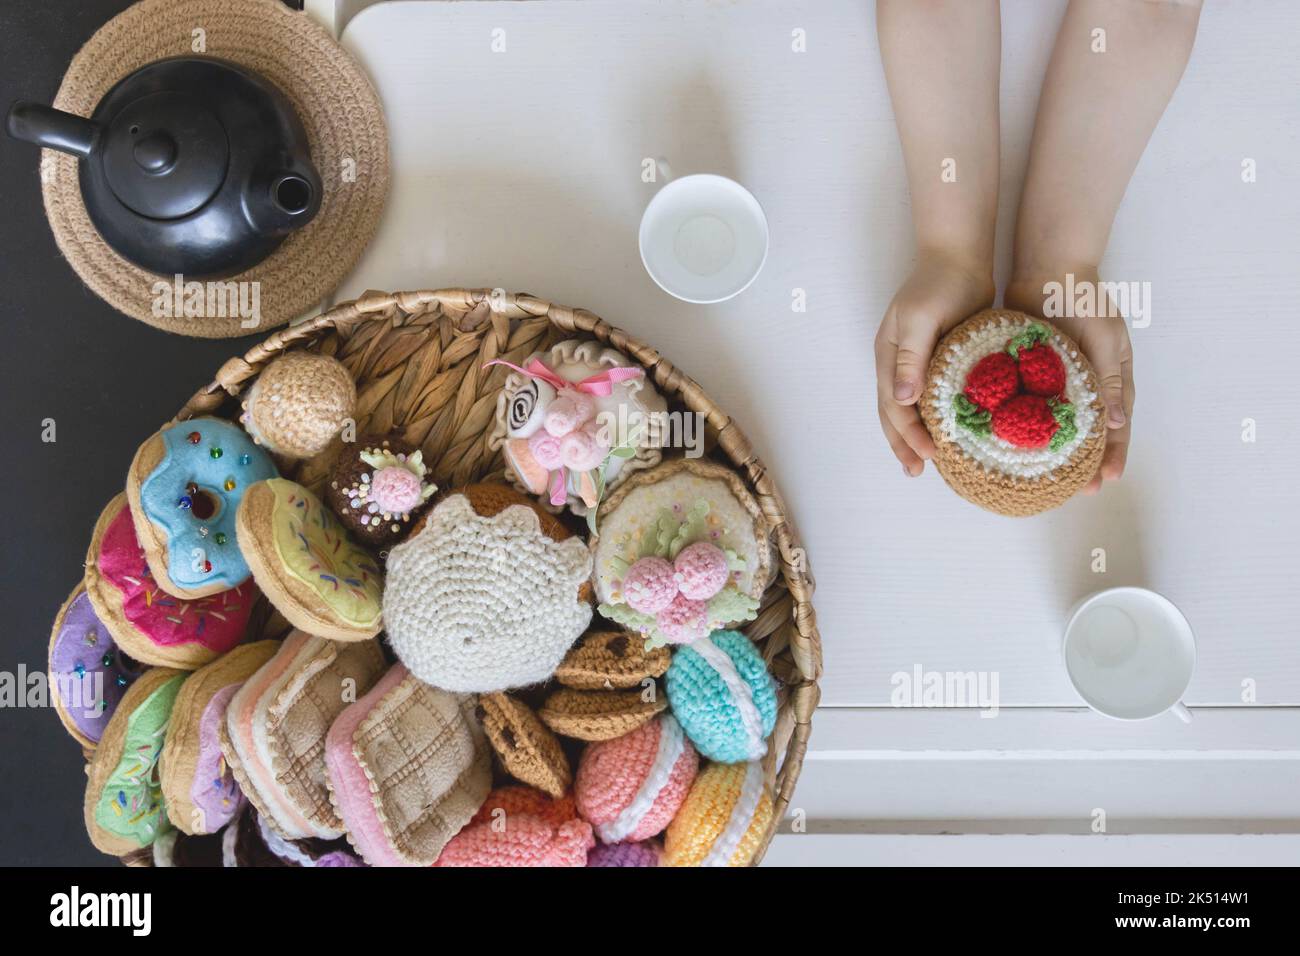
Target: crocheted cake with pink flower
pixel 682 551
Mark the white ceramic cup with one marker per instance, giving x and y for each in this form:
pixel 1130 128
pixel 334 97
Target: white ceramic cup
pixel 703 238
pixel 1130 654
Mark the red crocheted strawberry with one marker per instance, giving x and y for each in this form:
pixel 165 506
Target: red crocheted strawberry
pixel 1025 421
pixel 1041 371
pixel 992 381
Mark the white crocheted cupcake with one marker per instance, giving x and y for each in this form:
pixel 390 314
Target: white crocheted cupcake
pixel 489 594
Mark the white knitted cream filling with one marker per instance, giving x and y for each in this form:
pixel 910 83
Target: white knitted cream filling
pixel 742 816
pixel 228 838
pixel 671 745
pixel 741 693
pixel 990 451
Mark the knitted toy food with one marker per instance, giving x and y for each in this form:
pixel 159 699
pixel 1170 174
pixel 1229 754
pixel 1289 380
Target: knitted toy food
pixel 198 787
pixel 148 623
pixel 408 767
pixel 377 486
pixel 276 725
pixel 521 827
pixel 248 842
pixel 610 659
pixel 601 714
pixel 88 673
pixel 185 485
pixel 528 751
pixel 1012 405
pixel 682 550
pixel 725 699
pixel 124 808
pixel 645 853
pixel 299 403
pixel 723 820
pixel 629 788
pixel 485 595
pixel 576 421
pixel 307 563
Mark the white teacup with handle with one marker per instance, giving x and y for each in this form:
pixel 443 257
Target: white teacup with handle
pixel 1130 654
pixel 703 238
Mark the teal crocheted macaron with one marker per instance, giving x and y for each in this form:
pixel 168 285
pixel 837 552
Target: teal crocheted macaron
pixel 724 698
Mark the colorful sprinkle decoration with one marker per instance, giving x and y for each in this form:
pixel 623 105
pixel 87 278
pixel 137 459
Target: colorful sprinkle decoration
pixel 245 459
pixel 194 438
pixel 230 484
pixel 215 451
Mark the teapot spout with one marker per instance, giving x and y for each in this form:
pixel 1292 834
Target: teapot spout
pixel 284 199
pixel 55 129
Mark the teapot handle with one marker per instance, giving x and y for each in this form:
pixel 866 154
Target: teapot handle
pixel 55 129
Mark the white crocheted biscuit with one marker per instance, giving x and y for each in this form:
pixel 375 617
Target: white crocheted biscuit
pixel 475 604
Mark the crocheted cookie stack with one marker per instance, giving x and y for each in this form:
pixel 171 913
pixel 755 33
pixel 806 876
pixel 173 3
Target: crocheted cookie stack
pixel 1012 405
pixel 299 403
pixel 481 602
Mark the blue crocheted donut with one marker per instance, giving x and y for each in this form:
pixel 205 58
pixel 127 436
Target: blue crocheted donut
pixel 723 696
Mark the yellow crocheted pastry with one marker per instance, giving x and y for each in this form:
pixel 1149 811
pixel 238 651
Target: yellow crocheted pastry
pixel 723 820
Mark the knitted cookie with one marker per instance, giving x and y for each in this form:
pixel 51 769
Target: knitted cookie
pixel 629 788
pixel 298 403
pixel 147 622
pixel 683 549
pixel 575 422
pixel 88 673
pixel 307 564
pixel 520 827
pixel 184 486
pixel 528 751
pixel 600 715
pixel 610 659
pixel 277 724
pixel 645 853
pixel 124 804
pixel 724 697
pixel 1013 407
pixel 378 484
pixel 408 767
pixel 485 596
pixel 198 787
pixel 723 820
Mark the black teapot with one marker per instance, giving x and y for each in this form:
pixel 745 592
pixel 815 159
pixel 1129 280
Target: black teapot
pixel 190 165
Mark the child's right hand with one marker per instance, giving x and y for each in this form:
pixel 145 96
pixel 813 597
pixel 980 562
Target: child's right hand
pixel 941 291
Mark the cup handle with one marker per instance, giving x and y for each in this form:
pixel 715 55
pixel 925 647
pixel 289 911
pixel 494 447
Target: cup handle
pixel 1181 712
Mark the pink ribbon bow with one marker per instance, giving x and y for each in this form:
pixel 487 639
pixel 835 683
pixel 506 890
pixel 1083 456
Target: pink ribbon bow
pixel 602 383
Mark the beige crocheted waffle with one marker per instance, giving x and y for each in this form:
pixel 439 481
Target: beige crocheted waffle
pixel 986 483
pixel 332 96
pixel 418 359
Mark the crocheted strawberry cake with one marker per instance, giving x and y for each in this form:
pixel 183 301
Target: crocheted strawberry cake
pixel 1012 405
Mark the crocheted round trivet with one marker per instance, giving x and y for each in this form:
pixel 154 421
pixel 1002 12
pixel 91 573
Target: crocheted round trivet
pixel 1033 451
pixel 332 96
pixel 528 751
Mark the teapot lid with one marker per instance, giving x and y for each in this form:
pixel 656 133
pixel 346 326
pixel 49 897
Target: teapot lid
pixel 165 155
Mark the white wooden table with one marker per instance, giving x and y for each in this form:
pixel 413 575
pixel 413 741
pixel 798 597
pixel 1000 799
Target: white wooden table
pixel 521 169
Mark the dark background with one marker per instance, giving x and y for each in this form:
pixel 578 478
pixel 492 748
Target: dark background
pixel 108 382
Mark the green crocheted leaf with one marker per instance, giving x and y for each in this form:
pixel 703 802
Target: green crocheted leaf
pixel 622 614
pixel 598 479
pixel 971 417
pixel 730 606
pixel 693 528
pixel 734 561
pixel 1063 412
pixel 1037 332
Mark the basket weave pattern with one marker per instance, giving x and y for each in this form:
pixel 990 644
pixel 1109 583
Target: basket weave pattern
pixel 418 360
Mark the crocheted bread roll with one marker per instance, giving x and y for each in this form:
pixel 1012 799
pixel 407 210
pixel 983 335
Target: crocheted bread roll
pixel 1013 407
pixel 299 403
pixel 485 597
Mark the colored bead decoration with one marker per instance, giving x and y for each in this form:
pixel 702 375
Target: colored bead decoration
pixel 245 459
pixel 215 451
pixel 220 537
pixel 194 438
pixel 79 669
pixel 185 502
pixel 230 484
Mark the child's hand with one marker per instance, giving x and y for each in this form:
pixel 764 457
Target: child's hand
pixel 940 293
pixel 1105 340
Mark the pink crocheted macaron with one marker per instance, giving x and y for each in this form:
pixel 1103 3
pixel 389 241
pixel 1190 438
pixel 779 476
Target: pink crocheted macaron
pixel 645 853
pixel 520 826
pixel 630 787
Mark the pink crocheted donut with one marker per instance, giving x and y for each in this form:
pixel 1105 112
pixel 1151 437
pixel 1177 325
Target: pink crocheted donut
pixel 630 787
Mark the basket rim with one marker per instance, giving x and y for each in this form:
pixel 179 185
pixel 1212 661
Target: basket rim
pixel 479 308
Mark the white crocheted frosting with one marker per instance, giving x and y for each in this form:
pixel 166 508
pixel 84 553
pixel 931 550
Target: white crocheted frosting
pixel 476 605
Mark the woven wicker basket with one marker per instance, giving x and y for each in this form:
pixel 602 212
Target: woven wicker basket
pixel 418 359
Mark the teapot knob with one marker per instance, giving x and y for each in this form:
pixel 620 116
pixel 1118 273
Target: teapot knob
pixel 156 153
